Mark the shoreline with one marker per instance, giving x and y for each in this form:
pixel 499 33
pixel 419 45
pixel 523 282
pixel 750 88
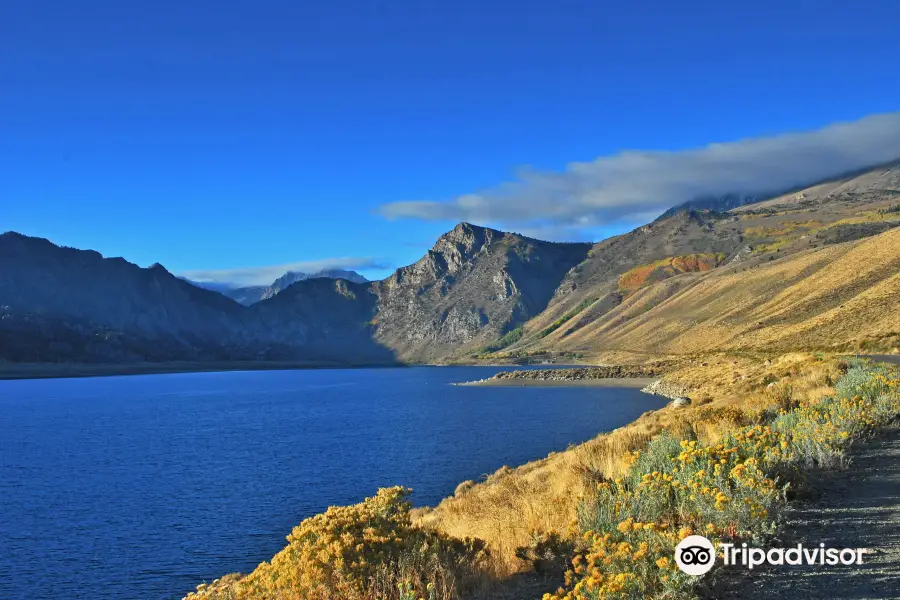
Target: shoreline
pixel 20 371
pixel 621 382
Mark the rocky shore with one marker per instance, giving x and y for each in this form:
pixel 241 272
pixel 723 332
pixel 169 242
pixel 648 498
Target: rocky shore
pixel 583 373
pixel 676 393
pixel 611 375
pixel 644 376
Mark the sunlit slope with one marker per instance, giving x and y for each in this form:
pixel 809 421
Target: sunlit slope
pixel 843 296
pixel 703 279
pixel 617 266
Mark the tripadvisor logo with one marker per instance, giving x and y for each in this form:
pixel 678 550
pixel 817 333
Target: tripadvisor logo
pixel 695 555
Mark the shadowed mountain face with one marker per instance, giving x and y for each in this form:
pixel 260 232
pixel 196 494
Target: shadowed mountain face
pixel 332 316
pixel 61 304
pixel 82 306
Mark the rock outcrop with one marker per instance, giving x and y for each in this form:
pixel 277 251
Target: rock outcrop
pixel 475 284
pixel 676 393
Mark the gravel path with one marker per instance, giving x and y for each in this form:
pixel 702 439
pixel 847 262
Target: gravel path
pixel 858 508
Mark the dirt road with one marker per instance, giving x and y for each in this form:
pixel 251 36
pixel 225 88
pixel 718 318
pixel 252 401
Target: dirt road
pixel 859 508
pixel 893 359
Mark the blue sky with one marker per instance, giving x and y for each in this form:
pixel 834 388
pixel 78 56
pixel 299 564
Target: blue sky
pixel 214 136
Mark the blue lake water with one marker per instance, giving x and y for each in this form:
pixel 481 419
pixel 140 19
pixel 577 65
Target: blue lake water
pixel 144 486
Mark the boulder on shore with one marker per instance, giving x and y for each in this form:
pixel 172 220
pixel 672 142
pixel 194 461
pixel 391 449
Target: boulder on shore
pixel 674 392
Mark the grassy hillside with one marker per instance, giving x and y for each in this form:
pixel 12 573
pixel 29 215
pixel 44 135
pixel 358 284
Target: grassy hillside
pixel 813 270
pixel 838 297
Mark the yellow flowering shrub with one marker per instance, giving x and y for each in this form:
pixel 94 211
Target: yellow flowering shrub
pixel 368 550
pixel 731 490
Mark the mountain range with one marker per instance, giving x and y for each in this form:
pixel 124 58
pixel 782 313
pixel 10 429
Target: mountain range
pixel 815 268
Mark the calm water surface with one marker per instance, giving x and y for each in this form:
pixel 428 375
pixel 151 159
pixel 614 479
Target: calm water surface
pixel 141 487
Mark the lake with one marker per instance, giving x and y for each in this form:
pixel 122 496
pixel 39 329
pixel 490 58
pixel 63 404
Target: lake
pixel 144 486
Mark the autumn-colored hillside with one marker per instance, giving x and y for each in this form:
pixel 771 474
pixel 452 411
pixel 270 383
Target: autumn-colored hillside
pixel 643 275
pixel 841 297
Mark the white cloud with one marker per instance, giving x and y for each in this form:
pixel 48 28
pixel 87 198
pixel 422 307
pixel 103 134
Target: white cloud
pixel 635 183
pixel 250 276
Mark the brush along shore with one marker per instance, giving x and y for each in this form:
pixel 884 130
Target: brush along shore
pixel 599 520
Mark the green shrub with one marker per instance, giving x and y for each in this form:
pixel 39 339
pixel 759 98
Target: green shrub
pixel 508 339
pixel 560 321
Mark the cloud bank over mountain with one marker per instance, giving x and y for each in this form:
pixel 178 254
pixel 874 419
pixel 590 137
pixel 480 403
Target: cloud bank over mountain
pixel 251 276
pixel 635 185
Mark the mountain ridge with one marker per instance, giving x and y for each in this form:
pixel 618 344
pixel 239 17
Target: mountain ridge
pixel 479 292
pixel 93 303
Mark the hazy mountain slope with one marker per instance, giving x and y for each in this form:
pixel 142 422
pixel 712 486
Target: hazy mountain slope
pixel 859 181
pixel 248 295
pixel 253 294
pixel 351 276
pixel 871 185
pixel 333 318
pixel 473 285
pixel 722 203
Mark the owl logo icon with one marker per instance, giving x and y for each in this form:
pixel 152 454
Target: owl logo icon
pixel 695 555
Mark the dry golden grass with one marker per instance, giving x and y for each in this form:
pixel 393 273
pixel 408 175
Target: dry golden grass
pixel 841 297
pixel 780 229
pixel 544 495
pixel 541 496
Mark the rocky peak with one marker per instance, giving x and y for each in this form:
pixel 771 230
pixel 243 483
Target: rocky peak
pixel 468 234
pixel 461 245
